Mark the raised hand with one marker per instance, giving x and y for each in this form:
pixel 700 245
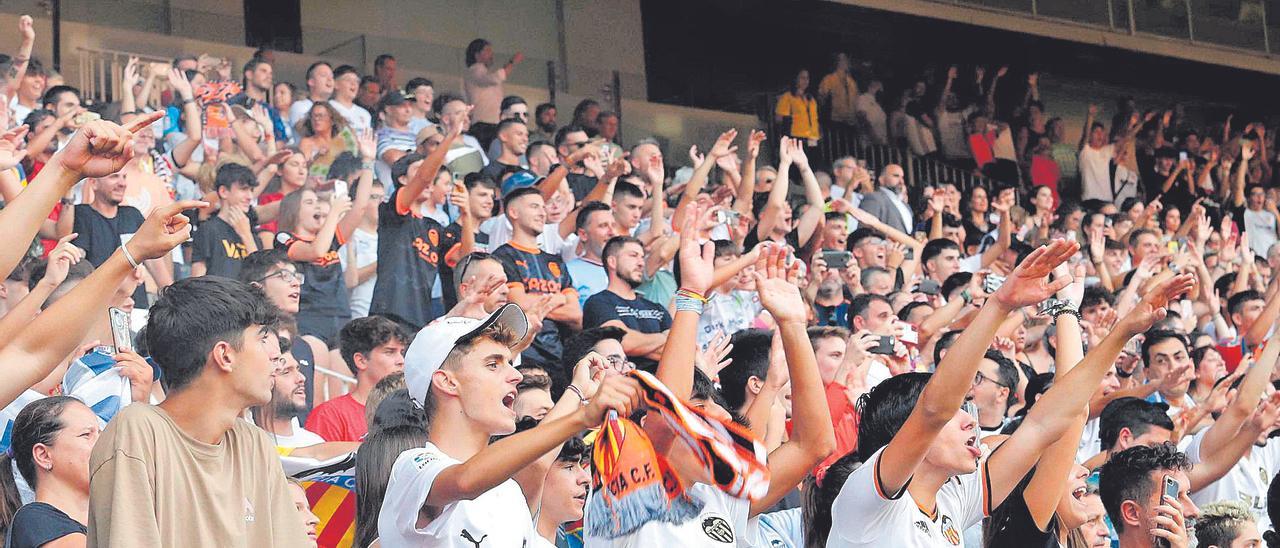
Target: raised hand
pixel 1154 305
pixel 61 259
pixel 26 28
pixel 724 144
pixel 784 152
pixel 178 81
pixel 1029 283
pixel 753 143
pixel 697 256
pixel 798 156
pixel 716 357
pixel 367 145
pixel 1073 292
pixel 696 157
pixel 11 147
pixel 589 372
pixel 131 75
pixel 138 371
pixel 101 148
pixel 938 201
pixel 618 393
pixel 776 285
pixel 165 229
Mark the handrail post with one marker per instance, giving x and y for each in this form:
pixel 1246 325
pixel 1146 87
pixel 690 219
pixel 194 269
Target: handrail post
pixel 1191 28
pixel 551 82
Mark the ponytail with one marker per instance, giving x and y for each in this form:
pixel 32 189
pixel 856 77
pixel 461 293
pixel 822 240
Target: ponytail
pixel 9 499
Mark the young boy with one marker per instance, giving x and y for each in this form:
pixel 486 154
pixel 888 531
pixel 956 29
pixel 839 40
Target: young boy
pixel 191 472
pixel 459 490
pixel 224 240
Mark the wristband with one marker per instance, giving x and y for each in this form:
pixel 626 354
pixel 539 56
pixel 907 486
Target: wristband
pixel 968 297
pixel 367 165
pixel 128 257
pixel 1067 311
pixel 689 304
pixel 578 391
pixel 691 294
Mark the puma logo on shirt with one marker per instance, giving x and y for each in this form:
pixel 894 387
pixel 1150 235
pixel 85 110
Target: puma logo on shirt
pixel 466 535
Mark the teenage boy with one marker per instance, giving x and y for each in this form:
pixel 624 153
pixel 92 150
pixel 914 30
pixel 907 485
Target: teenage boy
pixel 531 274
pixel 190 471
pixel 1132 485
pixel 374 346
pixel 645 322
pixel 918 440
pixel 222 242
pixel 460 490
pixel 409 243
pixel 481 193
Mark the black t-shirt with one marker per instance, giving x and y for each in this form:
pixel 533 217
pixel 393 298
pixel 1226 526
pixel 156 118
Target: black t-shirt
pixel 410 251
pixel 581 185
pixel 494 170
pixel 452 237
pixel 638 314
pixel 99 237
pixel 217 245
pixel 1011 525
pixel 540 274
pixel 37 524
pixel 324 292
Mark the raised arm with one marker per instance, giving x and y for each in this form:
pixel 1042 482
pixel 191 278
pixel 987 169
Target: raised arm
pixel 947 388
pixel 722 147
pixel 812 436
pixel 1063 406
pixel 697 267
pixel 191 123
pixel 813 216
pixel 26 28
pixel 44 343
pixel 1088 123
pixel 778 193
pixel 426 174
pixel 747 188
pixel 364 185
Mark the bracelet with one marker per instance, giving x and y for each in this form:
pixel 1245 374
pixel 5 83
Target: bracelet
pixel 1067 311
pixel 689 304
pixel 129 257
pixel 691 294
pixel 366 165
pixel 967 296
pixel 578 391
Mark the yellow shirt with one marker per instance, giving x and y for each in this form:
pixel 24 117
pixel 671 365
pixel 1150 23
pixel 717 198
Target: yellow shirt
pixel 803 113
pixel 843 92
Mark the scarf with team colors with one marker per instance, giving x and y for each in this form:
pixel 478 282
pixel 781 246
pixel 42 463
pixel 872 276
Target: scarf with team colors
pixel 633 484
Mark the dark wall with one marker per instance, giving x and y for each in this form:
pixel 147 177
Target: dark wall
pixel 727 54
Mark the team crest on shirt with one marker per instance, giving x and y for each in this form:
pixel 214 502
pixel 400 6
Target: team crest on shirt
pixel 249 515
pixel 718 529
pixel 434 237
pixel 422 459
pixel 555 269
pixel 949 531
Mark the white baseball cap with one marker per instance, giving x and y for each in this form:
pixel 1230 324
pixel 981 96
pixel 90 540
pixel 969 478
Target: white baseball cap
pixel 435 341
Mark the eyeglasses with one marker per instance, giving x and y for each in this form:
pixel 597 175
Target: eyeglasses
pixel 619 363
pixel 978 380
pixel 287 276
pixel 461 269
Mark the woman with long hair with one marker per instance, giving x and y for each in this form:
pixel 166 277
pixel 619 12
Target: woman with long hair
pixel 52 439
pixel 324 135
pixel 1210 367
pixel 373 471
pixel 798 107
pixel 292 177
pixel 311 239
pixel 975 210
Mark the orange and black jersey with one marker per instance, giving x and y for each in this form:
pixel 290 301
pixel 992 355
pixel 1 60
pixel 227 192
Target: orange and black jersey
pixel 324 292
pixel 410 251
pixel 538 273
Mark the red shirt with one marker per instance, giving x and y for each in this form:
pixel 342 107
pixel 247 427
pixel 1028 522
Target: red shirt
pixel 339 419
pixel 982 146
pixel 845 422
pixel 1045 171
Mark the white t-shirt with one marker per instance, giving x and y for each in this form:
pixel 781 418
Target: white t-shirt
pixel 301 437
pixel 536 541
pixel 863 515
pixel 729 314
pixel 1095 172
pixel 366 254
pixel 18 110
pixel 1246 482
pixel 781 529
pixel 722 522
pixel 298 112
pixel 357 117
pixel 498 517
pixel 1261 226
pixel 1090 440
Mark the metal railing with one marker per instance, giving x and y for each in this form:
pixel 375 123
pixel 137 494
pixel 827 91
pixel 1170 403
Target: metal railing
pixel 323 375
pixel 101 71
pixel 1242 24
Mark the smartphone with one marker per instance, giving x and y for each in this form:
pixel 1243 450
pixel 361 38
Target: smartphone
pixel 1173 246
pixel 836 259
pixel 1171 488
pixel 992 283
pixel 928 287
pixel 121 333
pixel 726 216
pixel 885 347
pixel 1182 156
pixel 909 334
pixel 340 188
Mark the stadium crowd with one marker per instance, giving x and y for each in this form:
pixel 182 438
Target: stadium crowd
pixel 360 312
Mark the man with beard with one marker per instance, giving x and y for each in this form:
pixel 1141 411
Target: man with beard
pixel 646 323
